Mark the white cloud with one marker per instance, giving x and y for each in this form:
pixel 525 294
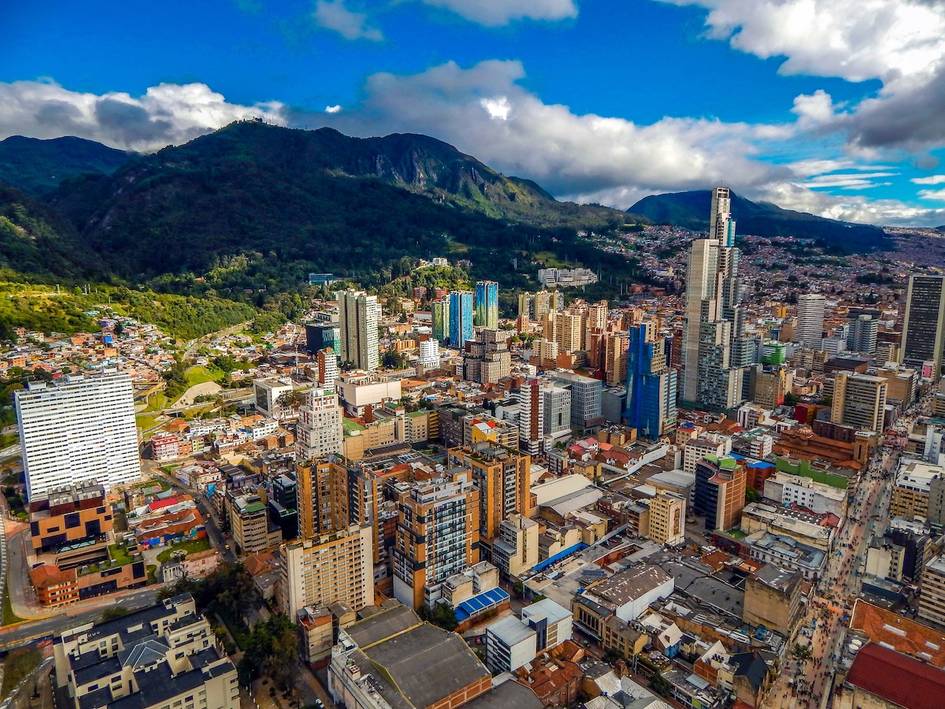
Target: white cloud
pixel 938 195
pixel 485 112
pixel 899 42
pixel 853 208
pixel 334 108
pixel 493 13
pixel 930 180
pixel 165 114
pixel 854 180
pixel 336 16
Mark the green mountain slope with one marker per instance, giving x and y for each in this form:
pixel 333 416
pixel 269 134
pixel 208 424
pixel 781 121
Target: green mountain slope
pixel 38 166
pixel 691 210
pixel 256 206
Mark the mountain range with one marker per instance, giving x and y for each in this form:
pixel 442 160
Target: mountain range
pixel 250 209
pixel 691 211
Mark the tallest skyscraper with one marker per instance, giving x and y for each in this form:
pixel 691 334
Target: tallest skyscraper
pixel 713 322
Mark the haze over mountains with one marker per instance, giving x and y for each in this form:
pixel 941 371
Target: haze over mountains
pixel 260 199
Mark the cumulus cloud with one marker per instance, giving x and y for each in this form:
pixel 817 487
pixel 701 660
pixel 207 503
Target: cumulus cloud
pixel 899 42
pixel 166 114
pixel 493 13
pixel 485 111
pixel 333 108
pixel 335 15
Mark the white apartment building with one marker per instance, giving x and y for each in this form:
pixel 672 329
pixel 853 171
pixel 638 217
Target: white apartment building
pixel 429 354
pixel 699 448
pixel 78 430
pixel 786 489
pixel 810 319
pixel 319 431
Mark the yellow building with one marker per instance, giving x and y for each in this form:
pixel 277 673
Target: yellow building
pixel 667 518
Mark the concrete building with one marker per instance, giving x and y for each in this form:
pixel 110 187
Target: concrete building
pixel 515 550
pixel 321 498
pixel 932 591
pixel 698 448
pixel 787 489
pixel 626 595
pixel 78 430
pixel 556 416
pixel 862 333
pixel 667 519
pixel 551 621
pixel 250 524
pixel 912 492
pixel 486 305
pixel 810 320
pixel 331 568
pixel 773 598
pixel 319 429
pixel 585 397
pixel 359 316
pixel 530 403
pixel 923 329
pixel 268 395
pixel 486 358
pixel 163 656
pixel 510 644
pixel 720 492
pixel 859 400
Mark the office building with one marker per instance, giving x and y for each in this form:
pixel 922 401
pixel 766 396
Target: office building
pixel 437 535
pixel 510 644
pixel 166 655
pixel 531 416
pixel 713 320
pixel 586 395
pixel 773 598
pixel 320 432
pixel 923 330
pixel 250 524
pixel 861 334
pixel 461 318
pixel 557 411
pixel 330 568
pixel 80 430
pixel 268 395
pixel 73 524
pixel 810 320
pixel 440 315
pixel 359 316
pixel 321 498
pixel 319 336
pixel 502 478
pixel 487 305
pixel 486 358
pixel 651 385
pixel 859 400
pixel 720 492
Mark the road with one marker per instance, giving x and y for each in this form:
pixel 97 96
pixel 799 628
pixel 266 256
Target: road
pixel 808 682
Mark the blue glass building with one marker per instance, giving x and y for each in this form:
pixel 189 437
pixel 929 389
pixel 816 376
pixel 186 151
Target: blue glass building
pixel 487 305
pixel 461 318
pixel 651 387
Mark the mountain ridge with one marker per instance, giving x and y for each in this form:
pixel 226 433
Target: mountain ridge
pixel 37 166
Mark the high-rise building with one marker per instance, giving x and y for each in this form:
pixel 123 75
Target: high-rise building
pixel 440 313
pixel 719 492
pixel 502 478
pixel 862 333
pixel 557 411
pixel 531 417
pixel 586 393
pixel 322 498
pixel 318 336
pixel 327 362
pixel 461 318
pixel 923 331
pixel 486 359
pixel 331 568
pixel 651 385
pixel 667 518
pixel 615 357
pixel 713 319
pixel 359 315
pixel 319 429
pixel 859 400
pixel 437 535
pixel 78 430
pixel 569 332
pixel 810 320
pixel 429 354
pixel 487 305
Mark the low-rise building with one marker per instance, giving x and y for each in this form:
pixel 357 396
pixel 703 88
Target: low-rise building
pixel 772 598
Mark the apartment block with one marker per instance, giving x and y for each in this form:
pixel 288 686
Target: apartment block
pixel 859 400
pixel 667 518
pixel 319 428
pixel 322 498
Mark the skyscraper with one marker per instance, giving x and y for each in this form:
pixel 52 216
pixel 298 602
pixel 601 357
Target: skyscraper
pixel 440 312
pixel 358 320
pixel 862 334
pixel 319 429
pixel 81 429
pixel 859 400
pixel 810 319
pixel 923 332
pixel 651 385
pixel 487 305
pixel 321 498
pixel 531 415
pixel 713 320
pixel 461 318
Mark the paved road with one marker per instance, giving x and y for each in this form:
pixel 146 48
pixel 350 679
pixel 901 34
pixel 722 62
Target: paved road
pixel 838 588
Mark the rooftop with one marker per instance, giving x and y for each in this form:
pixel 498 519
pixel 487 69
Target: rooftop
pixel 897 678
pixel 907 636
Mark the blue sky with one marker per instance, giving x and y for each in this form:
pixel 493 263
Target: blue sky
pixel 599 100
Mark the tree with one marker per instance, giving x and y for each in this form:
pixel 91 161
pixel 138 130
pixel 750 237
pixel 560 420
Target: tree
pixel 271 652
pixel 393 360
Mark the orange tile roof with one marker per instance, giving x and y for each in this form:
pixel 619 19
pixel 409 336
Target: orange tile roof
pixel 901 634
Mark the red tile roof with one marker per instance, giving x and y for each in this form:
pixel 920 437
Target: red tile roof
pixel 902 634
pixel 898 678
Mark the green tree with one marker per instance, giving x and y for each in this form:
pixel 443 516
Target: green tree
pixel 271 652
